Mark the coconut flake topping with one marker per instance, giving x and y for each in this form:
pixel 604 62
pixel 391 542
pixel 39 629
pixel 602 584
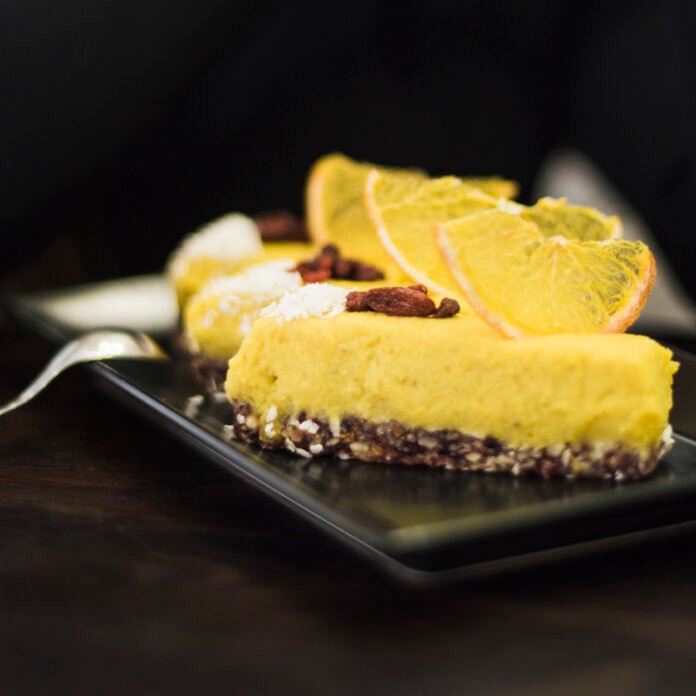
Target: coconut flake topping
pixel 248 292
pixel 507 206
pixel 268 279
pixel 314 300
pixel 231 237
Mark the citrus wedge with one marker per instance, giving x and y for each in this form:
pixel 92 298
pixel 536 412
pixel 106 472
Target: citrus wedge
pixel 493 186
pixel 404 219
pixel 556 216
pixel 525 283
pixel 335 206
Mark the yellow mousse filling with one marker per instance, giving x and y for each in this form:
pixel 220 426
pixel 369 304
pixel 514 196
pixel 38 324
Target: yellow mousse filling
pixel 198 270
pixel 216 320
pixel 459 374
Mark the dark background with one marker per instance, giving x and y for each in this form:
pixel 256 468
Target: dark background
pixel 125 124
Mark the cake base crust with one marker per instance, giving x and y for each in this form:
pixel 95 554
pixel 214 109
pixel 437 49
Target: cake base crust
pixel 210 373
pixel 393 443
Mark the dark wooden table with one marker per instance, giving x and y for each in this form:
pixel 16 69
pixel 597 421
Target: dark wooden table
pixel 130 566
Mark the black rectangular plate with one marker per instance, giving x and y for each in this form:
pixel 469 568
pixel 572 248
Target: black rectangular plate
pixel 421 525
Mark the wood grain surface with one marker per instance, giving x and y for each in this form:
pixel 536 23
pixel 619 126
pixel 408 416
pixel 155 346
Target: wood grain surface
pixel 129 565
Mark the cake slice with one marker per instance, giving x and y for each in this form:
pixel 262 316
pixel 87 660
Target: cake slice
pixel 318 380
pixel 216 319
pixel 231 243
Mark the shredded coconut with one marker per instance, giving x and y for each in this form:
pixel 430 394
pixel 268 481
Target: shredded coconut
pixel 314 300
pixel 246 293
pixel 508 206
pixel 246 322
pixel 270 279
pixel 667 438
pixel 335 426
pixel 230 237
pixel 208 319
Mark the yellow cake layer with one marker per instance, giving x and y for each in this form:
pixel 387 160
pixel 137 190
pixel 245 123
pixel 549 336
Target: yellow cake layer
pixel 458 373
pixel 199 270
pixel 215 323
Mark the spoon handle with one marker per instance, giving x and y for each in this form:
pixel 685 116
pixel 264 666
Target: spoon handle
pixel 68 355
pixel 97 345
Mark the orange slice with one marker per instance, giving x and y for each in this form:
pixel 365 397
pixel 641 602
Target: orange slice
pixel 524 282
pixel 493 186
pixel 556 216
pixel 335 206
pixel 404 219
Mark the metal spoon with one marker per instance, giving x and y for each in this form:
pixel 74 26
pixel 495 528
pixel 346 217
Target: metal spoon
pixel 90 347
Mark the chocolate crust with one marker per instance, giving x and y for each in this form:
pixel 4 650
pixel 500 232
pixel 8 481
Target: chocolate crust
pixel 393 443
pixel 209 372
